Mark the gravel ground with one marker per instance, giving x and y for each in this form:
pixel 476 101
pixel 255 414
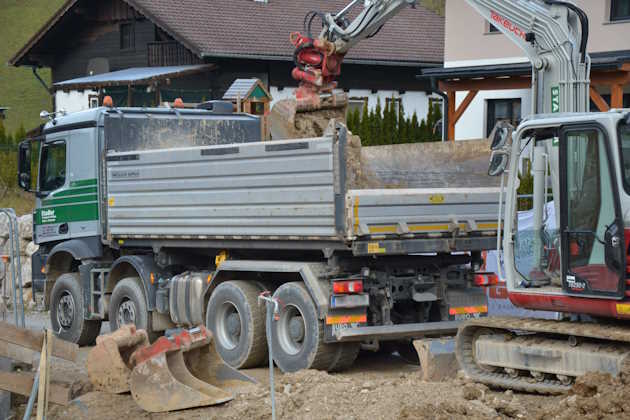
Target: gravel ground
pixel 378 386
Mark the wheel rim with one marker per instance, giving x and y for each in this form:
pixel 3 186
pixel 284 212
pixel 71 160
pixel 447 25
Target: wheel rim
pixel 228 326
pixel 65 310
pixel 126 312
pixel 291 330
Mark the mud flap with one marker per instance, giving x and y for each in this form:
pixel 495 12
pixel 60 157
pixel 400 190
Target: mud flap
pixel 109 362
pixel 182 371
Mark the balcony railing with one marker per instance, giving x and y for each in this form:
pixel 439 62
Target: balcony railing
pixel 170 53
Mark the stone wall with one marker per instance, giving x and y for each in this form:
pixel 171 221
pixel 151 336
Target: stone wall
pixel 27 249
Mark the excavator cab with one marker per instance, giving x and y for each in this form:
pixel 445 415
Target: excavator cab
pixel 567 238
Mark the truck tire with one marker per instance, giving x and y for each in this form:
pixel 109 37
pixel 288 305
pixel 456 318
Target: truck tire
pixel 128 305
pixel 298 335
pixel 66 312
pixel 237 323
pixel 345 356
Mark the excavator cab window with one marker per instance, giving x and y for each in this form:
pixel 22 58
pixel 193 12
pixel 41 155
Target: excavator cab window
pixel 624 146
pixel 592 232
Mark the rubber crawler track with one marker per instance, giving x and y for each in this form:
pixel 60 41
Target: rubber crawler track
pixel 608 334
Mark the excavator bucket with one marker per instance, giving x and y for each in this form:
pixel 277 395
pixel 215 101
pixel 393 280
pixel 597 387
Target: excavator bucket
pixel 182 371
pixel 304 118
pixel 109 362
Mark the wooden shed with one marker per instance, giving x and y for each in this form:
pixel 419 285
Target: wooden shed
pixel 252 97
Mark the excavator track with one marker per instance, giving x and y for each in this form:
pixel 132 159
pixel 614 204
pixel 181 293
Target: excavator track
pixel 613 340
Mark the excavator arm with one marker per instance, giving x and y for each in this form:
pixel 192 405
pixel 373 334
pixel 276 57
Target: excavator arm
pixel 553 34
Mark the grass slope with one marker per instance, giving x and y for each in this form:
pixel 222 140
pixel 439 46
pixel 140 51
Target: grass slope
pixel 19 90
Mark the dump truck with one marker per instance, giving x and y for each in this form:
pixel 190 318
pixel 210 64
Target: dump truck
pixel 166 217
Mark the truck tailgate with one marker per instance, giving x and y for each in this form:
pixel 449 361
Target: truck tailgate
pixel 422 212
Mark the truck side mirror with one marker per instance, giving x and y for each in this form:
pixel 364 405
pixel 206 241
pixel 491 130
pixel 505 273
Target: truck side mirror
pixel 500 135
pixel 498 162
pixel 24 165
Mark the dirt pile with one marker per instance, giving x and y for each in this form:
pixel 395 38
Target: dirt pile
pixel 594 396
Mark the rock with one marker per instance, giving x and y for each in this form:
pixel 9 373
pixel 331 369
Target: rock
pixel 4 226
pixel 25 224
pixel 31 248
pixel 27 274
pixel 471 393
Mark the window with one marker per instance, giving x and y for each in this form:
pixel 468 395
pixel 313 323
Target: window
pixel 356 103
pixel 127 36
pixel 624 144
pixel 619 10
pixel 93 101
pixel 493 29
pixel 395 102
pixel 53 166
pixel 502 110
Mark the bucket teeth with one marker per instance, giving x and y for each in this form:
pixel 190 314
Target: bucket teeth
pixel 182 371
pixel 109 362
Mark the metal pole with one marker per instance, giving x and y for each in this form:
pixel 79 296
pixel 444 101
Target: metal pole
pixel 31 398
pixel 272 313
pixel 272 385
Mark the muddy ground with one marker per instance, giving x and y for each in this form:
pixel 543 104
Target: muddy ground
pixel 378 386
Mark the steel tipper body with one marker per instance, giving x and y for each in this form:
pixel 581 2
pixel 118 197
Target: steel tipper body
pixel 171 217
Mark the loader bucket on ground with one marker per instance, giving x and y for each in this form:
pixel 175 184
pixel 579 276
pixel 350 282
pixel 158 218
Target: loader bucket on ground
pixel 109 362
pixel 291 118
pixel 182 371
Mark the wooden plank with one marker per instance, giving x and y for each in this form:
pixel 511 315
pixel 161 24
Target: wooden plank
pixel 520 82
pixel 616 96
pixel 21 383
pixel 598 100
pixel 451 116
pixel 464 105
pixel 34 340
pixel 43 381
pixel 17 353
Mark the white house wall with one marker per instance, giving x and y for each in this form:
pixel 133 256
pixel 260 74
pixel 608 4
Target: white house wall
pixel 73 100
pixel 412 100
pixel 472 124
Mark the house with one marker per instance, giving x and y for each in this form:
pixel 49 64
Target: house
pixel 487 78
pixel 86 44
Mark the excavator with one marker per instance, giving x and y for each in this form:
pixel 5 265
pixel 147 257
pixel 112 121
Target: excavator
pixel 573 260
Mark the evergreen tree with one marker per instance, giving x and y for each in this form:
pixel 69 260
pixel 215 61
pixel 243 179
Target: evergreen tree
pixel 364 129
pixel 377 124
pixel 401 135
pixel 423 132
pixel 414 128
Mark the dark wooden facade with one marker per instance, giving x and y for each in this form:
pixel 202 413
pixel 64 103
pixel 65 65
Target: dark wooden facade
pixel 88 38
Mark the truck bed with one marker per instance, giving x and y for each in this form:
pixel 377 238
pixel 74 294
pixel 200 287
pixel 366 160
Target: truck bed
pixel 281 190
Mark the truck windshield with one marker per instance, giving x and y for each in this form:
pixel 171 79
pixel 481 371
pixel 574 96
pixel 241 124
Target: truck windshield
pixel 624 143
pixel 52 166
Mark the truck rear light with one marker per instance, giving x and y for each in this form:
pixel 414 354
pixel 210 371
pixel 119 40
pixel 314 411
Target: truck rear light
pixel 347 286
pixel 486 279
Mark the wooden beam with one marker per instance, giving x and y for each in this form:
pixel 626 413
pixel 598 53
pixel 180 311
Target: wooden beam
pixel 450 135
pixel 606 78
pixel 598 100
pixel 616 96
pixel 34 340
pixel 464 105
pixel 22 382
pixel 521 82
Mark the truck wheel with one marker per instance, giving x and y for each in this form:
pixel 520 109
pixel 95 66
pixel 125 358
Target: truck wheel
pixel 346 354
pixel 237 323
pixel 66 312
pixel 128 305
pixel 298 335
